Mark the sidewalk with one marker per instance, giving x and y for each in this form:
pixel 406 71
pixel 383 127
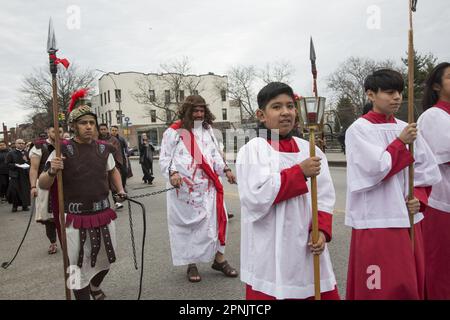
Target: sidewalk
pixel 335 159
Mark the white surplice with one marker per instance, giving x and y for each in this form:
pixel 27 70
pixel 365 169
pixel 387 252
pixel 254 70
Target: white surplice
pixel 372 202
pixel 275 257
pixel 434 125
pixel 191 209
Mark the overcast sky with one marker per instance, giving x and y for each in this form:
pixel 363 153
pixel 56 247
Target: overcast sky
pixel 119 35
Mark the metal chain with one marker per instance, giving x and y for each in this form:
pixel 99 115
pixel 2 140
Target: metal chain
pixel 151 194
pixel 132 236
pixel 131 220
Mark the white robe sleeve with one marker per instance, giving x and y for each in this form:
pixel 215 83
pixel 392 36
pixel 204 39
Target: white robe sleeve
pixel 326 195
pixel 426 169
pixel 368 163
pixel 219 163
pixel 435 129
pixel 258 186
pixel 168 145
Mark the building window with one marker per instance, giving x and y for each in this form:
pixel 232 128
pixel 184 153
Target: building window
pixel 101 100
pixel 151 95
pixel 110 118
pixel 195 92
pixel 118 95
pixel 153 115
pixel 181 95
pixel 223 93
pixel 109 98
pixel 167 96
pixel 104 96
pixel 224 114
pixel 103 119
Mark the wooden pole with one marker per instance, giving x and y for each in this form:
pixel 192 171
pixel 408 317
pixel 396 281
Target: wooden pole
pixel 62 220
pixel 411 114
pixel 315 218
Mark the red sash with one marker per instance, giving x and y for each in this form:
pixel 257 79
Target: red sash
pixel 191 145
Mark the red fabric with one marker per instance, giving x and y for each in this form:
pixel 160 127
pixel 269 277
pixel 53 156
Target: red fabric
pixel 436 236
pixel 293 184
pixel 422 194
pixel 251 294
pixel 64 62
pixel 443 105
pixel 191 145
pixel 402 273
pixel 401 157
pixel 325 224
pixel 378 118
pixel 87 221
pixel 284 145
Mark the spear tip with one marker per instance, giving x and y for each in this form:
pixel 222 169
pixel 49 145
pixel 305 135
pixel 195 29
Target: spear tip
pixel 312 51
pixel 51 39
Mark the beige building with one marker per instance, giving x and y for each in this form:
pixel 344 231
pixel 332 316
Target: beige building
pixel 147 103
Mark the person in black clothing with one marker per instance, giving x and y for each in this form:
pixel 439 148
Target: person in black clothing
pixel 4 177
pixel 146 160
pixel 124 150
pixel 19 185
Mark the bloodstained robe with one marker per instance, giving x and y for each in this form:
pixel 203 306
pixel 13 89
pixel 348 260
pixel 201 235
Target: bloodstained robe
pixel 276 262
pixel 196 211
pixel 382 264
pixel 434 125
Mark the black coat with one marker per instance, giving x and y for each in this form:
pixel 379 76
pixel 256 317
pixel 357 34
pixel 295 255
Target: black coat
pixel 19 185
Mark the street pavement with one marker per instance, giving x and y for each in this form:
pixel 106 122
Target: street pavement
pixel 39 276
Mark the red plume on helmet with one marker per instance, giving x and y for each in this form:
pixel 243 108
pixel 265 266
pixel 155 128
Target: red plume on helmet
pixel 77 95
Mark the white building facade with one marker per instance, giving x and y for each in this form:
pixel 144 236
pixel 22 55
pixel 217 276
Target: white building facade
pixel 147 103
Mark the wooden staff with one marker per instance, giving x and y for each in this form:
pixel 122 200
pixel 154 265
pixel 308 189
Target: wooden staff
pixel 412 5
pixel 312 153
pixel 315 217
pixel 51 48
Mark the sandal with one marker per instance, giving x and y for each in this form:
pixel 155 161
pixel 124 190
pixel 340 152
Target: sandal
pixel 192 273
pixel 97 295
pixel 53 248
pixel 225 268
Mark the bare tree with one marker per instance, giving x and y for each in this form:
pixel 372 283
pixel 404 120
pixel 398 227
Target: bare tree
pixel 37 90
pixel 348 80
pixel 178 83
pixel 241 83
pixel 276 72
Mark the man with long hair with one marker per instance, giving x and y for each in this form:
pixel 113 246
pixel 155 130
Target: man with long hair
pixel 190 160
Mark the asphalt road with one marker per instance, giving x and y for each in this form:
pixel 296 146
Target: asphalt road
pixel 37 275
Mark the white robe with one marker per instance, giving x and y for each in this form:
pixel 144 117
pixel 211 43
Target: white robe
pixel 41 204
pixel 372 202
pixel 275 257
pixel 434 126
pixel 191 209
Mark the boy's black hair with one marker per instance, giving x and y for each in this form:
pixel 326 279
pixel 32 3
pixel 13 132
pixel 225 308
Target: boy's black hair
pixel 384 79
pixel 103 125
pixel 272 90
pixel 114 126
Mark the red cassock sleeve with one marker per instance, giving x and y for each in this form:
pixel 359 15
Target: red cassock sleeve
pixel 422 194
pixel 401 157
pixel 325 224
pixel 293 184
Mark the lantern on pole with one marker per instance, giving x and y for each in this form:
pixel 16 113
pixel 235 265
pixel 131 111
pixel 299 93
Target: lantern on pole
pixel 311 115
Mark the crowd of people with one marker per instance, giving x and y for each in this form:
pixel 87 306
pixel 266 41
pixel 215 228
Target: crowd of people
pixel 273 173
